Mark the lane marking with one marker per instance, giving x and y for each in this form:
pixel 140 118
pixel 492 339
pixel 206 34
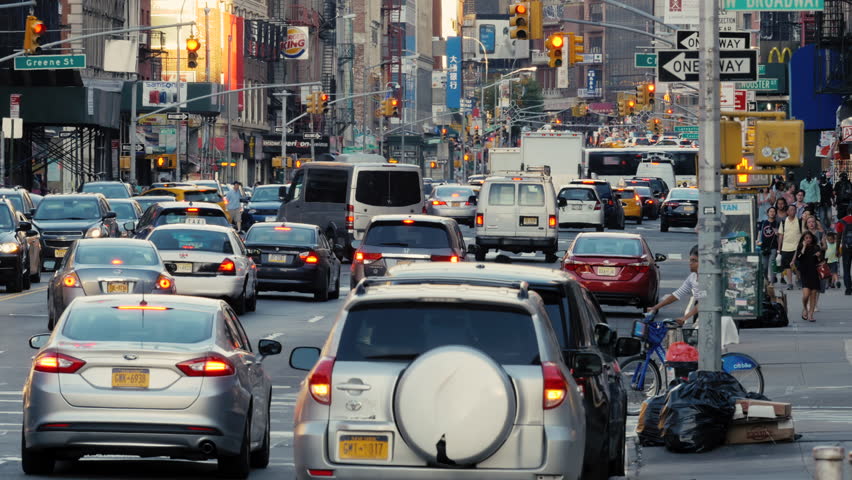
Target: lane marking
pixel 281 386
pixel 675 256
pixel 17 295
pixel 315 319
pixel 848 348
pixel 273 336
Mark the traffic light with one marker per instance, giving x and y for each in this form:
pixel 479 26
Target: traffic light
pixel 657 126
pixel 640 94
pixel 312 103
pixel 575 48
pixel 466 157
pixel 536 23
pixel 622 107
pixel 321 103
pixel 35 28
pixel 554 44
pixel 192 46
pixel 631 105
pixel 650 89
pixel 443 134
pixel 433 164
pixel 519 21
pixel 166 161
pixel 392 108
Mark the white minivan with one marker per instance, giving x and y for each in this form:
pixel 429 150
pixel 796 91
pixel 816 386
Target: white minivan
pixel 341 198
pixel 517 213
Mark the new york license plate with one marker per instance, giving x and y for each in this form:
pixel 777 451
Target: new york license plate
pixel 184 267
pixel 364 447
pixel 60 252
pixel 607 271
pixel 130 377
pixel 117 287
pixel 277 258
pixel 529 221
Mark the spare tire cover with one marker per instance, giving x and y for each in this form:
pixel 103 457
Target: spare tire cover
pixel 454 405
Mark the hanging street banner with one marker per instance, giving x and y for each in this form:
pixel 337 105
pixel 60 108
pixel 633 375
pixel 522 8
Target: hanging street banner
pixel 688 40
pixel 774 5
pixel 682 65
pixel 454 74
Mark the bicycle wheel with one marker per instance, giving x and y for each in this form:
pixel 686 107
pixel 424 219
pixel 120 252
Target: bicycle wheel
pixel 650 387
pixel 745 369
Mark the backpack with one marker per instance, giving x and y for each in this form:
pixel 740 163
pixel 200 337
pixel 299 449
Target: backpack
pixel 846 241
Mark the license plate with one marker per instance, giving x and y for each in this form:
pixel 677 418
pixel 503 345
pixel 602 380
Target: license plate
pixel 270 219
pixel 576 207
pixel 184 267
pixel 607 271
pixel 688 208
pixel 455 204
pixel 364 447
pixel 60 252
pixel 130 377
pixel 275 258
pixel 117 287
pixel 529 221
pixel 195 221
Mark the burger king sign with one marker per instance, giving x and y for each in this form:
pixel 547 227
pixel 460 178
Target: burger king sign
pixel 295 46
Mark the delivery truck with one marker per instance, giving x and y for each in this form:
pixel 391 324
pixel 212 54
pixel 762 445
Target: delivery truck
pixel 560 150
pixel 504 159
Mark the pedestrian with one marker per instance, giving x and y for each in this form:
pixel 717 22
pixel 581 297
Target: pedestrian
pixel 843 195
pixel 800 203
pixel 808 256
pixel 768 242
pixel 826 195
pixel 689 287
pixel 810 187
pixel 765 199
pixel 789 234
pixel 813 226
pixel 790 193
pixel 844 243
pixel 781 209
pixel 232 201
pixel 832 258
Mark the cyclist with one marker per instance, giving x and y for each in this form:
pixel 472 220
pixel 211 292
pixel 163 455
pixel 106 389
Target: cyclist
pixel 689 287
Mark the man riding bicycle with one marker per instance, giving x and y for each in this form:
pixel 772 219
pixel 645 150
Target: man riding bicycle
pixel 689 287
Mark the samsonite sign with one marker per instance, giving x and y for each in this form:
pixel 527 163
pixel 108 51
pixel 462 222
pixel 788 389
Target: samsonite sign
pixel 296 45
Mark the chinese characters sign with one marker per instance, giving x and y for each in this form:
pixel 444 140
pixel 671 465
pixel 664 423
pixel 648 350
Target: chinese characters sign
pixel 454 72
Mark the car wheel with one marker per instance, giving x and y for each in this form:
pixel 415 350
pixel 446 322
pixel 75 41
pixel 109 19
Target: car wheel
pixel 321 295
pixel 550 257
pixel 260 458
pixel 621 225
pixel 597 469
pixel 239 465
pixel 36 462
pixel 616 464
pixel 239 303
pixel 335 294
pixel 251 304
pixel 17 283
pixel 639 222
pixel 599 228
pixel 480 254
pixel 25 281
pixel 664 226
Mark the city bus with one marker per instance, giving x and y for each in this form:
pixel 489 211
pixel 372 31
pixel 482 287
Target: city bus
pixel 615 164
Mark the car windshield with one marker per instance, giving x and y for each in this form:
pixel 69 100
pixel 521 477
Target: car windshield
pixel 683 194
pixel 193 216
pixel 200 240
pixel 123 255
pixel 643 191
pixel 211 196
pixel 105 324
pixel 16 201
pixel 578 194
pixel 402 331
pixel 68 209
pixel 6 222
pixel 449 193
pixel 608 246
pixel 281 235
pixel 415 235
pixel 269 194
pixel 124 211
pixel 109 190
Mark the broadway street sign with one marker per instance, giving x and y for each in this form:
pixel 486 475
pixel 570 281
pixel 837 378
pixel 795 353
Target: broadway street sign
pixel 682 65
pixel 688 40
pixel 773 5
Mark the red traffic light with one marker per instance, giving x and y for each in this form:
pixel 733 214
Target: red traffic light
pixel 394 102
pixel 557 41
pixel 324 97
pixel 192 44
pixel 38 28
pixel 520 9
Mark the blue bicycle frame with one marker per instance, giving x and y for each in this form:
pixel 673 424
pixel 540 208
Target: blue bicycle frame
pixel 653 335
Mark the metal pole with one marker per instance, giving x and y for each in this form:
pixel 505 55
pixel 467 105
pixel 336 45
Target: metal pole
pixel 132 132
pixel 709 196
pixel 284 130
pixel 230 102
pixel 30 3
pixel 177 82
pixel 206 44
pixel 463 134
pixel 381 136
pixel 828 463
pixel 3 161
pixel 619 27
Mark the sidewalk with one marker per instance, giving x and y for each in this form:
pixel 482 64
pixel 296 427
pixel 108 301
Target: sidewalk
pixel 806 364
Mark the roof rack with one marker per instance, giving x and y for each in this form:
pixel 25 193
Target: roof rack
pixel 522 286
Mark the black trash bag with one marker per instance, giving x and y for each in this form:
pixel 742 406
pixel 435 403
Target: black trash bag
pixel 774 315
pixel 648 426
pixel 698 412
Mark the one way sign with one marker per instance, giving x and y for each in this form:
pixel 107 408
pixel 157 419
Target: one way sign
pixel 682 65
pixel 688 40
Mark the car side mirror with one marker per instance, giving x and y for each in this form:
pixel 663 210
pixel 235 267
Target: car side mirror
pixel 32 233
pixel 472 199
pixel 38 341
pixel 562 202
pixel 25 226
pixel 171 267
pixel 282 193
pixel 604 334
pixel 30 214
pixel 109 215
pixel 627 347
pixel 130 226
pixel 304 358
pixel 586 364
pixel 268 347
pixel 660 257
pixel 472 248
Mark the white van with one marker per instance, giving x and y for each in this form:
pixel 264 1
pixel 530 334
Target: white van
pixel 657 168
pixel 517 213
pixel 341 198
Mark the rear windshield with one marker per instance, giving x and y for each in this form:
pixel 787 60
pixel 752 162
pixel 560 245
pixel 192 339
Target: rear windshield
pixel 557 309
pixel 415 235
pixel 581 194
pixel 684 194
pixel 501 194
pixel 200 240
pixel 384 188
pixel 144 203
pixel 608 246
pixel 204 216
pixel 269 194
pixel 530 194
pixel 124 255
pixel 404 331
pixel 103 324
pixel 281 236
pixel 462 193
pixel 643 191
pixel 327 185
pixel 123 210
pixel 16 201
pixel 211 196
pixel 109 191
pixel 68 209
pixel 160 193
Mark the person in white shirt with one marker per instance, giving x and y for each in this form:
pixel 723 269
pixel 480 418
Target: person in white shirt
pixel 689 288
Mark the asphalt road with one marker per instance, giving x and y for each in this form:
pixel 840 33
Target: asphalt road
pixel 293 319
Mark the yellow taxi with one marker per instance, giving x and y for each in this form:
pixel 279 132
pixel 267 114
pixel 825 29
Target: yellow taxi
pixel 631 203
pixel 190 193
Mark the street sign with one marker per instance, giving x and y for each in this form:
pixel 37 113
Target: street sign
pixel 125 148
pixel 645 60
pixel 759 84
pixel 50 62
pixel 773 5
pixel 689 136
pixel 312 136
pixel 15 105
pixel 278 129
pixel 177 116
pixel 688 40
pixel 682 65
pixel 686 129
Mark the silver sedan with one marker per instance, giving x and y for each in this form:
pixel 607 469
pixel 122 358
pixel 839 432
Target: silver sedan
pixel 98 266
pixel 453 201
pixel 154 375
pixel 209 261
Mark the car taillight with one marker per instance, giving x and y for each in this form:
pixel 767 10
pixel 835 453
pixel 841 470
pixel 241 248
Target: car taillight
pixel 610 202
pixel 672 205
pixel 597 205
pixel 164 283
pixel 551 221
pixel 51 361
pixel 71 280
pixel 445 258
pixel 480 219
pixel 319 381
pixel 227 267
pixel 632 269
pixel 320 473
pixel 212 365
pixel 367 258
pixel 438 202
pixel 350 217
pixel 649 202
pixel 577 267
pixel 309 257
pixel 555 385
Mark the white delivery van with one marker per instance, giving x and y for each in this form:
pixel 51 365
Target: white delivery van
pixel 504 159
pixel 562 151
pixel 657 168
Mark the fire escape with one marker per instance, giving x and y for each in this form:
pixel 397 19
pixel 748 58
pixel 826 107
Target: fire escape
pixel 394 41
pixel 833 65
pixel 328 37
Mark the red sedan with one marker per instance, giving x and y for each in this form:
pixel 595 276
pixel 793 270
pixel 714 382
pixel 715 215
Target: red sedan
pixel 618 268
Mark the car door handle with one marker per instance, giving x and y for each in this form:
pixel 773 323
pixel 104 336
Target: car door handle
pixel 357 387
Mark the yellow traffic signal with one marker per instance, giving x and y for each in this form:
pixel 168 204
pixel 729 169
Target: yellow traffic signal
pixel 554 44
pixel 466 157
pixel 433 164
pixel 391 107
pixel 631 105
pixel 640 94
pixel 519 21
pixel 650 89
pixel 166 161
pixel 575 48
pixel 34 29
pixel 443 134
pixel 321 103
pixel 731 141
pixel 192 46
pixel 312 103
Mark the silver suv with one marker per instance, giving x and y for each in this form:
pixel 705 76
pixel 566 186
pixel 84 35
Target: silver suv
pixel 431 380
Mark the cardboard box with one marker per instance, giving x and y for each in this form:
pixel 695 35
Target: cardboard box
pixel 779 409
pixel 761 432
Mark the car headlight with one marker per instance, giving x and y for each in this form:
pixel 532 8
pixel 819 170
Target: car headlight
pixel 9 247
pixel 94 232
pixel 252 211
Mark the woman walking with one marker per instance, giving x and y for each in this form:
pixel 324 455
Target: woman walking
pixel 813 226
pixel 808 256
pixel 768 243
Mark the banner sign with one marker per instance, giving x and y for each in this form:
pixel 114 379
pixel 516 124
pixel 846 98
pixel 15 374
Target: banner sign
pixel 454 73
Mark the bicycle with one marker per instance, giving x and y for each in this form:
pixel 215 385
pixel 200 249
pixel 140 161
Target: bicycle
pixel 635 369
